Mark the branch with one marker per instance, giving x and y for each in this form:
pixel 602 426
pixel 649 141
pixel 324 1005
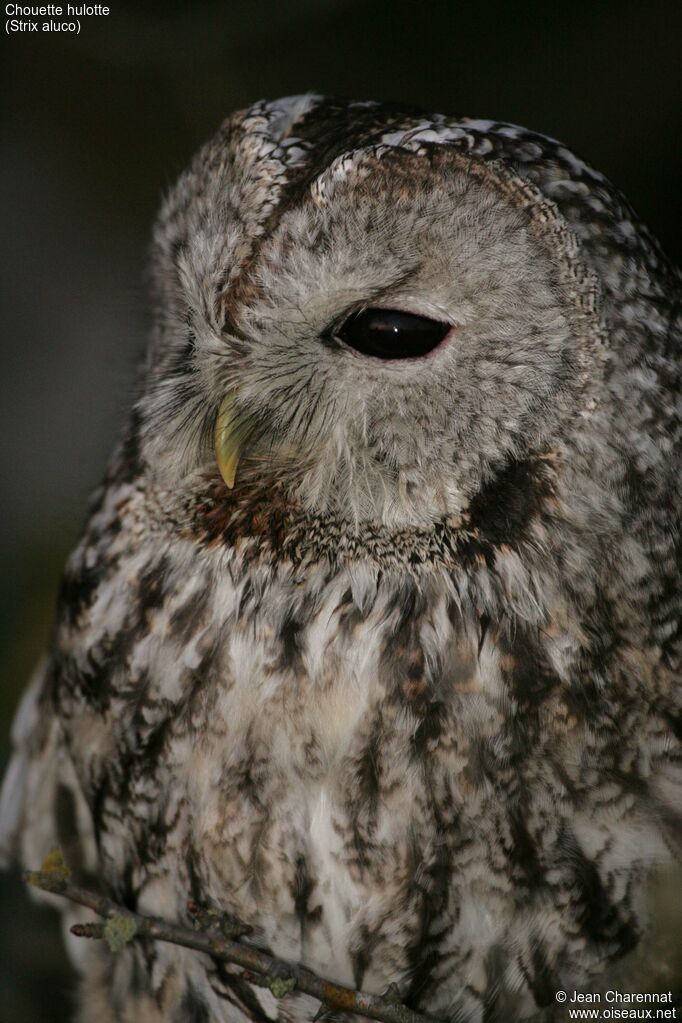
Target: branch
pixel 122 926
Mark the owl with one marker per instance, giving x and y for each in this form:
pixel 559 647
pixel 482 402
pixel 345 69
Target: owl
pixel 373 637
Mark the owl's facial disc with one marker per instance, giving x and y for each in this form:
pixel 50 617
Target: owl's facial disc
pixel 391 334
pixel 379 351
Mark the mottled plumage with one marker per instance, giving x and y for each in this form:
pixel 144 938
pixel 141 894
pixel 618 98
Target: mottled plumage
pixel 406 699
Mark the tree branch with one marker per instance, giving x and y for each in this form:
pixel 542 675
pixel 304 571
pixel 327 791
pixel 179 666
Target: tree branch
pixel 281 977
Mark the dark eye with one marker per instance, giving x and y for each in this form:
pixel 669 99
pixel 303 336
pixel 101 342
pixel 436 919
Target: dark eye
pixel 391 334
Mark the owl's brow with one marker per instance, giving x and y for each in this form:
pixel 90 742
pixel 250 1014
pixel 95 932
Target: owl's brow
pixel 406 276
pixel 279 322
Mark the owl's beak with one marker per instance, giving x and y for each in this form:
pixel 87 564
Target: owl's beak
pixel 230 435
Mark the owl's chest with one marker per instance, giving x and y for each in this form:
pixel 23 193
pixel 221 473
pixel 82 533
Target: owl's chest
pixel 366 772
pixel 323 760
pixel 329 760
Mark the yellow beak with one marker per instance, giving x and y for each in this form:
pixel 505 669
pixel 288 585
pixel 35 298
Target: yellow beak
pixel 230 435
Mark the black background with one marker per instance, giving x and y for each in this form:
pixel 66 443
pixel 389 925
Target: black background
pixel 96 127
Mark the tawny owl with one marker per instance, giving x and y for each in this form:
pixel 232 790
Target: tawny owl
pixel 373 637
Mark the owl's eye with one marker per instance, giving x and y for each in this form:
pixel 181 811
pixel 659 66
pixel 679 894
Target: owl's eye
pixel 391 333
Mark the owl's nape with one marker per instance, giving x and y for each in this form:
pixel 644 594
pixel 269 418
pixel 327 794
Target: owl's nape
pixel 373 639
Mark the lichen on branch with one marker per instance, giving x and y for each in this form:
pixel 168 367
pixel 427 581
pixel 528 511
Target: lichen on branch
pixel 216 935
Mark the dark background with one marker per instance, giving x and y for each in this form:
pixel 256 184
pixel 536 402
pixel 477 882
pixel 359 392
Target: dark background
pixel 96 127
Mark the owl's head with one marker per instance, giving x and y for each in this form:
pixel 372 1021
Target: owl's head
pixel 366 309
